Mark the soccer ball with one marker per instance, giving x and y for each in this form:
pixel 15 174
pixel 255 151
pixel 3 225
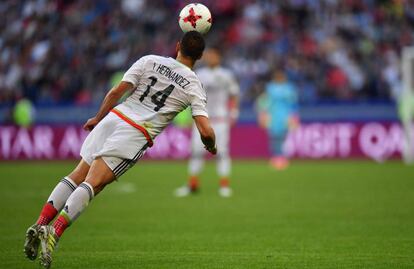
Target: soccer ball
pixel 195 17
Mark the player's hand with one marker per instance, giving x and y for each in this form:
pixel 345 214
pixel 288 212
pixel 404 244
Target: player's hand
pixel 233 121
pixel 90 124
pixel 212 150
pixel 234 115
pixel 264 120
pixel 293 122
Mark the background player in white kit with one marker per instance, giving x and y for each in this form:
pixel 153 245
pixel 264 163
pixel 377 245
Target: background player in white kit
pixel 223 95
pixel 119 136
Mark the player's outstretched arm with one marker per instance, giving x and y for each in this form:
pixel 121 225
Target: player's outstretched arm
pixel 207 133
pixel 110 100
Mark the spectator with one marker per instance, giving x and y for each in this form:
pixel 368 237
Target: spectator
pixel 55 51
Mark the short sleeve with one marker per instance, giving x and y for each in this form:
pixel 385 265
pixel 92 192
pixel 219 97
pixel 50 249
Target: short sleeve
pixel 135 72
pixel 198 102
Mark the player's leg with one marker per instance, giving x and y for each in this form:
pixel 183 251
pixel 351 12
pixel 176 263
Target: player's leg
pixel 196 163
pixel 120 151
pixel 103 171
pixel 61 193
pixel 222 130
pixel 65 187
pixel 54 204
pixel 93 143
pixel 406 115
pixel 99 175
pixel 195 166
pixel 410 139
pixel 279 160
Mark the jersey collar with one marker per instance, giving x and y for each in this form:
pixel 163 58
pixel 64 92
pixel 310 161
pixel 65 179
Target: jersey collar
pixel 181 63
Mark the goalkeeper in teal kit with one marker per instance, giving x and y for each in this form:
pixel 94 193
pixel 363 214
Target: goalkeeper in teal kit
pixel 278 113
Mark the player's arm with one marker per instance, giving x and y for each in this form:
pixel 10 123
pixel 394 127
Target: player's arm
pixel 262 107
pixel 110 100
pixel 206 133
pixel 294 120
pixel 198 101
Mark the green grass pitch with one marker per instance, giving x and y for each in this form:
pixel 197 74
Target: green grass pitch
pixel 331 214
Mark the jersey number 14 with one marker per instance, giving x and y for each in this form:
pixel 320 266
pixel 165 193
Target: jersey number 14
pixel 159 97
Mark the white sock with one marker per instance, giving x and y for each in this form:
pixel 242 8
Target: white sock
pixel 61 193
pixel 78 201
pixel 223 165
pixel 195 165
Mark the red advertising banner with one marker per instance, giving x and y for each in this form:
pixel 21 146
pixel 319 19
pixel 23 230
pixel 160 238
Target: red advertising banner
pixel 374 140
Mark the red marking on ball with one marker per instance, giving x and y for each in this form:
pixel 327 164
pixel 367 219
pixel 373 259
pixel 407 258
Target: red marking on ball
pixel 192 18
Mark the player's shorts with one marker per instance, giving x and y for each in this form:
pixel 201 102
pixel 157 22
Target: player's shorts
pixel 222 131
pixel 119 144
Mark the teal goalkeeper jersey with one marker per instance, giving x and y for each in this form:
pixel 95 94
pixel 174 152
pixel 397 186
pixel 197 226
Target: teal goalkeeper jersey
pixel 282 103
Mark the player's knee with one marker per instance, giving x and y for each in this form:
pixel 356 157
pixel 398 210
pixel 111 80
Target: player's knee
pixel 99 181
pixel 79 174
pixel 76 177
pixel 99 175
pixel 98 184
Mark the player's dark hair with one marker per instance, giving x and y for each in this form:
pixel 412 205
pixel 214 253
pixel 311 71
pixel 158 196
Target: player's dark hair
pixel 192 45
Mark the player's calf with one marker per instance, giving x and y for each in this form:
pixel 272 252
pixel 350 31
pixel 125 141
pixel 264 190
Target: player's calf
pixel 61 193
pixel 98 177
pixel 49 211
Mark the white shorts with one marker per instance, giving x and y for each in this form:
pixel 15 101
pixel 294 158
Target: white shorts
pixel 222 131
pixel 119 144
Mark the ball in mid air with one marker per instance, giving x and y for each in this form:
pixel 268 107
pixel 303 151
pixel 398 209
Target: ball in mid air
pixel 195 17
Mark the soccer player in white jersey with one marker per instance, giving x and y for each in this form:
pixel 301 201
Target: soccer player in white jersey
pixel 222 93
pixel 120 134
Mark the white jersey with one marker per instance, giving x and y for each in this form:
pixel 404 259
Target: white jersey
pixel 219 84
pixel 163 88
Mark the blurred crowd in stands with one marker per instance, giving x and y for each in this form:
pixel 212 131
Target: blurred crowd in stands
pixel 56 51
